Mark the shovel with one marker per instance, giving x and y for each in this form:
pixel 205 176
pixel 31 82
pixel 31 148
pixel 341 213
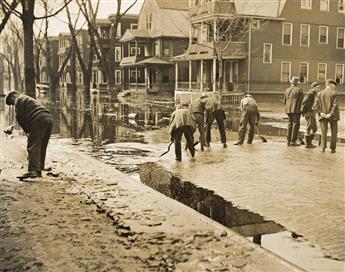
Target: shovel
pixel 261 137
pixel 169 148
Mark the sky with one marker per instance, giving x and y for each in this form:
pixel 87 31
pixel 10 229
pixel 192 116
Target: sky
pixel 59 24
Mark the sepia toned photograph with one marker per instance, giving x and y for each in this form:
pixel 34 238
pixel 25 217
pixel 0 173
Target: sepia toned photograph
pixel 172 135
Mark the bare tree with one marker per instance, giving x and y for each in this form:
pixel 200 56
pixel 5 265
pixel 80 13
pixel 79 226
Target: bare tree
pixel 13 45
pixel 107 58
pixel 7 13
pixel 27 16
pixel 86 69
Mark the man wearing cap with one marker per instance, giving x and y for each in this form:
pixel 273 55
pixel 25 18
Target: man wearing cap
pixel 37 123
pixel 214 111
pixel 198 110
pixel 249 115
pixel 309 114
pixel 327 109
pixel 182 122
pixel 293 98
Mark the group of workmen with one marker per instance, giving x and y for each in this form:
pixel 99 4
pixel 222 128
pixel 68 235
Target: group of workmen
pixel 188 118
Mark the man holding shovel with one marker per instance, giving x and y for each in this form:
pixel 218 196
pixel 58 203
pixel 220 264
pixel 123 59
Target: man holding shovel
pixel 37 123
pixel 249 115
pixel 182 122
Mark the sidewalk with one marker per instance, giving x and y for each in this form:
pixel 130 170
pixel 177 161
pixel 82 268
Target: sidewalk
pixel 298 188
pixel 151 232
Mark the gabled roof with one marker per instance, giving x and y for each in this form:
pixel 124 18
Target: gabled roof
pixel 103 21
pixel 155 60
pixel 132 34
pixel 265 8
pixel 173 4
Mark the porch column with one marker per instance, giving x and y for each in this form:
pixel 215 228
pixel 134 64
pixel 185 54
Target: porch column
pixel 129 49
pixel 190 76
pixel 146 79
pixel 136 48
pixel 201 75
pixel 136 78
pixel 176 76
pixel 190 34
pixel 214 74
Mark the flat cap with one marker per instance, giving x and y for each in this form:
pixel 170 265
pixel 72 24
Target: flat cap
pixel 331 81
pixel 294 80
pixel 9 96
pixel 314 84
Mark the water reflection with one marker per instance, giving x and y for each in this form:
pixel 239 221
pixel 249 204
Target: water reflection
pixel 208 203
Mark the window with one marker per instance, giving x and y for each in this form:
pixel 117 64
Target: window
pixel 306 4
pixel 135 52
pixel 117 77
pixel 118 56
pixel 323 34
pixel 285 71
pixel 287 34
pixel 104 77
pixel 118 30
pixel 339 73
pixel 165 48
pixel 324 5
pixel 304 35
pixel 322 71
pixel 267 55
pixel 80 77
pixel 148 20
pixel 94 76
pixel 341 6
pixel 340 37
pixel 94 57
pixel 204 33
pixel 255 24
pixel 134 26
pixel 303 71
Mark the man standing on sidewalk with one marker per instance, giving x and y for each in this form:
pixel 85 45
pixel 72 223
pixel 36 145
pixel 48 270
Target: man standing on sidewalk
pixel 249 114
pixel 293 98
pixel 309 114
pixel 182 122
pixel 328 111
pixel 214 111
pixel 37 123
pixel 198 110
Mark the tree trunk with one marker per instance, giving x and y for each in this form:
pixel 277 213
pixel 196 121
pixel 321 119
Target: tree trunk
pixel 74 93
pixel 37 65
pixel 29 67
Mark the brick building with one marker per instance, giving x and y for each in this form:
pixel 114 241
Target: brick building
pixel 280 39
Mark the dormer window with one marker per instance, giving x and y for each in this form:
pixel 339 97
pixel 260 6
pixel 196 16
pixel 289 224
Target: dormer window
pixel 306 4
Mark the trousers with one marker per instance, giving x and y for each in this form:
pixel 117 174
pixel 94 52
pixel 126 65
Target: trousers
pixel 293 126
pixel 311 122
pixel 188 134
pixel 334 130
pixel 199 117
pixel 38 138
pixel 247 118
pixel 219 116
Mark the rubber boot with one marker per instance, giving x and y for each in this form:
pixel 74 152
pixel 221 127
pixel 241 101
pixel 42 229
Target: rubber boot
pixel 308 139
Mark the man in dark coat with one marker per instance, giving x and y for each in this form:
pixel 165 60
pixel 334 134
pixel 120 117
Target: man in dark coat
pixel 198 110
pixel 249 115
pixel 327 108
pixel 182 122
pixel 309 114
pixel 293 98
pixel 37 123
pixel 214 111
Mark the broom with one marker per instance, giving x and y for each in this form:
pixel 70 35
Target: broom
pixel 261 137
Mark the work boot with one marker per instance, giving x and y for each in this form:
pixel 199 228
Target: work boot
pixel 30 174
pixel 238 143
pixel 322 150
pixel 294 144
pixel 207 144
pixel 308 139
pixel 225 145
pixel 333 151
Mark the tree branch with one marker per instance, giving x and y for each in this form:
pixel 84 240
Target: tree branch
pixel 123 13
pixel 55 13
pixel 7 14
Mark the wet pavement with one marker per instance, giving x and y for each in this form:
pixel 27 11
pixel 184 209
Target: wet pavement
pixel 87 216
pixel 298 188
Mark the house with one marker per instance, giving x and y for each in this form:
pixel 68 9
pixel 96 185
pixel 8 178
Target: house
pixel 162 33
pixel 257 46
